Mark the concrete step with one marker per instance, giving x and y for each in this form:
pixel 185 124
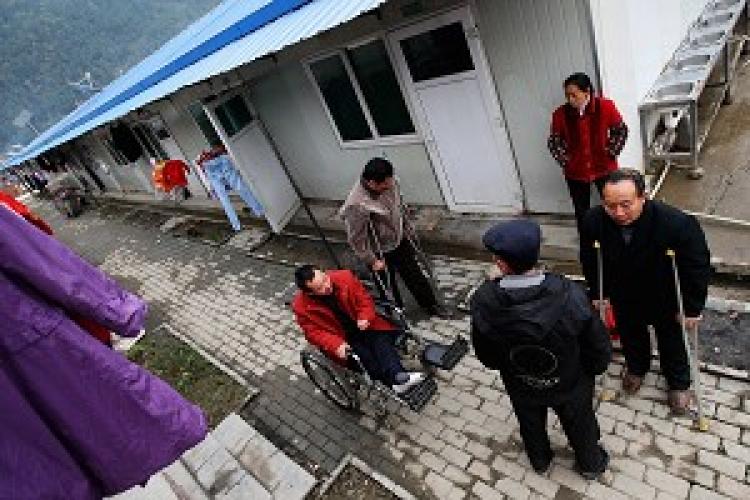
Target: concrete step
pixel 278 473
pixel 220 475
pixel 173 483
pixel 234 462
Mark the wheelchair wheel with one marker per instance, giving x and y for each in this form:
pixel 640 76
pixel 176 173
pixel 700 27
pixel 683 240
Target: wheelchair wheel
pixel 330 382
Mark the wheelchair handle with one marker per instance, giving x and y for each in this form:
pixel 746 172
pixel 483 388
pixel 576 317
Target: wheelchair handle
pixel 350 354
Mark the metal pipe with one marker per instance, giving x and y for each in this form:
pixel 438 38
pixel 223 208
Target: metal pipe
pixel 660 181
pixel 727 75
pixel 694 133
pixel 594 52
pixel 298 191
pixel 719 218
pixel 600 279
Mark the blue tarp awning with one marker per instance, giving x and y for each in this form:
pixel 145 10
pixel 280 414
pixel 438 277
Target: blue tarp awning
pixel 234 33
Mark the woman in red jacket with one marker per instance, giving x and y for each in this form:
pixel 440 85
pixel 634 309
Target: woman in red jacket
pixel 338 315
pixel 587 135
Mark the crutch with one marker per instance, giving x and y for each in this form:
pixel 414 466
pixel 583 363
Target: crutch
pixel 421 256
pixel 600 280
pixel 386 287
pixel 606 394
pixel 701 421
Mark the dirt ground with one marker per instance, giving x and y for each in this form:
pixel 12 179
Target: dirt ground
pixel 353 484
pixel 189 373
pixel 725 340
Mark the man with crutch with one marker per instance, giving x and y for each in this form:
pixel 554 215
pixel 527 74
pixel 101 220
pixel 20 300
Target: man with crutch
pixel 630 249
pixel 380 233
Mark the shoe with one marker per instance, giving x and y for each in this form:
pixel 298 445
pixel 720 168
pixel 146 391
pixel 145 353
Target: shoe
pixel 440 311
pixel 679 401
pixel 541 467
pixel 593 475
pixel 414 379
pixel 631 383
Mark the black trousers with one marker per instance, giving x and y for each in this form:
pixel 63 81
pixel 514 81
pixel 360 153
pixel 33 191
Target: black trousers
pixel 580 195
pixel 377 351
pixel 632 324
pixel 404 260
pixel 578 421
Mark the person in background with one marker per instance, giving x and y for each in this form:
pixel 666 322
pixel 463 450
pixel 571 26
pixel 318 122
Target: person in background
pixel 539 331
pixel 381 235
pixel 586 137
pixel 633 235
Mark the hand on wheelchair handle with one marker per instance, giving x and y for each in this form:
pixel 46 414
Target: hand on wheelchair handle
pixel 342 352
pixel 362 324
pixel 378 265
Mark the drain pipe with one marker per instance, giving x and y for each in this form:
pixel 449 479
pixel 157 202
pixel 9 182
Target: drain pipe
pixel 594 51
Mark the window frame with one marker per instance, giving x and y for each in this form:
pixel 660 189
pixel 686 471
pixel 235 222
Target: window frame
pixel 377 139
pixel 206 142
pixel 222 103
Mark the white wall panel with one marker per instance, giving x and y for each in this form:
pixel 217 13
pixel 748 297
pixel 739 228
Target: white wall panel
pixel 294 115
pixel 532 46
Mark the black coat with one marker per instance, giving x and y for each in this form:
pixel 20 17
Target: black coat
pixel 555 316
pixel 639 277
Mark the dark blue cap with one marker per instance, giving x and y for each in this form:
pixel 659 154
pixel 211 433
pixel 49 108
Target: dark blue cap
pixel 517 242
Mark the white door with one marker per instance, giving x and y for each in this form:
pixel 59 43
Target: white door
pixel 162 133
pixel 255 158
pixel 449 83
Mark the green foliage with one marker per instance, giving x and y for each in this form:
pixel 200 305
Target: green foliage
pixel 48 43
pixel 189 373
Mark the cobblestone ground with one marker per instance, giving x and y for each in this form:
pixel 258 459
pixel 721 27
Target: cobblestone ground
pixel 465 443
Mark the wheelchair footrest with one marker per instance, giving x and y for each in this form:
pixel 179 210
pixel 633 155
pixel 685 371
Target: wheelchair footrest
pixel 444 356
pixel 419 395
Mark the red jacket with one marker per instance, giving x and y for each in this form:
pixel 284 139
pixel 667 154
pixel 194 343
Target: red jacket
pixel 587 145
pixel 175 171
pixel 319 323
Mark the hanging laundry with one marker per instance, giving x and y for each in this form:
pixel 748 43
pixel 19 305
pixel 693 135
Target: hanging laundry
pixel 169 176
pixel 84 420
pixel 224 177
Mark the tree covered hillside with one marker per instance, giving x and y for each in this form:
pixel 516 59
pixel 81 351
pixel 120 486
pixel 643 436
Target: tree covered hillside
pixel 47 43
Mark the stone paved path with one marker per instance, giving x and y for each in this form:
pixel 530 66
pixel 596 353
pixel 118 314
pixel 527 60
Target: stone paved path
pixel 465 443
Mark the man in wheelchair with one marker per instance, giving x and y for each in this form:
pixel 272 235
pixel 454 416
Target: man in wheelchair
pixel 338 316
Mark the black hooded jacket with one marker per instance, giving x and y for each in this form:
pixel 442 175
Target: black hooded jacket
pixel 544 339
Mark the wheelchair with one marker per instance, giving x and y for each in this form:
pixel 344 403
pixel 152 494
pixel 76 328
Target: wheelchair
pixel 347 386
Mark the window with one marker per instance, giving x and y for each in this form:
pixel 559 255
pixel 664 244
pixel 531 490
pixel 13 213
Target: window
pixel 114 153
pixel 440 52
pixel 341 98
pixel 201 119
pixel 148 139
pixel 233 115
pixel 379 86
pixel 360 90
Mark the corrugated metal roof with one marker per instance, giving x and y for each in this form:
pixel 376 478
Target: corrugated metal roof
pixel 234 33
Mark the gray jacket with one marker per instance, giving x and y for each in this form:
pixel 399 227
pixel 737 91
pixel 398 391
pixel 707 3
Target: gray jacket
pixel 385 210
